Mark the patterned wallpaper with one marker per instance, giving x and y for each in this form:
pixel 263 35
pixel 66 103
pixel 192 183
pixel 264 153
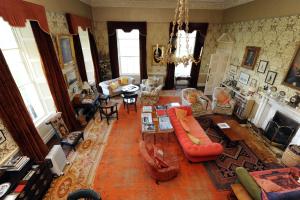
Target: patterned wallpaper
pixel 7 147
pixel 278 38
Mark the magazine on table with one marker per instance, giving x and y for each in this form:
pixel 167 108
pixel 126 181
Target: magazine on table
pixel 148 127
pixel 161 113
pixel 223 125
pixel 147 109
pixel 147 118
pixel 164 123
pixel 161 107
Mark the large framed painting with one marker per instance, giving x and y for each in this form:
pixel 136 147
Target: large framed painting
pixel 66 51
pixel 250 57
pixel 292 78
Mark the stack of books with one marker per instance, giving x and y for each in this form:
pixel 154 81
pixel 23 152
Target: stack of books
pixel 15 163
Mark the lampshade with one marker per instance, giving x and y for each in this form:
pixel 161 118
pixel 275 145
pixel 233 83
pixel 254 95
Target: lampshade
pixel 86 86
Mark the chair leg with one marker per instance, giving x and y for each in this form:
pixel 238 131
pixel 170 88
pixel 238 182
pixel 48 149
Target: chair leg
pixel 73 147
pixel 127 108
pixel 82 136
pixel 107 119
pixel 117 115
pixel 135 107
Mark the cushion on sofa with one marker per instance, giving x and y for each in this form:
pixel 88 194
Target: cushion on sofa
pixel 180 113
pixel 114 85
pixel 248 183
pixel 293 195
pixel 192 97
pixel 124 80
pixel 194 139
pixel 268 185
pixel 223 98
pixel 184 124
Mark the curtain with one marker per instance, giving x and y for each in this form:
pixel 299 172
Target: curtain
pixel 196 67
pixel 16 118
pixel 96 60
pixel 113 46
pixel 169 82
pixel 79 58
pixel 55 76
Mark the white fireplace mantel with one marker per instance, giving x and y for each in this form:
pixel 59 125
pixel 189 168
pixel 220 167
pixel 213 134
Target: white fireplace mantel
pixel 266 110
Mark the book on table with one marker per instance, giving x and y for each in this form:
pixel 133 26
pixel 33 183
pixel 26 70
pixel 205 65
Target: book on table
pixel 147 118
pixel 147 109
pixel 160 107
pixel 164 123
pixel 161 113
pixel 148 127
pixel 15 163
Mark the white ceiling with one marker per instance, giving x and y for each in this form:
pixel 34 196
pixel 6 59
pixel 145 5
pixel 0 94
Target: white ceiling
pixel 194 4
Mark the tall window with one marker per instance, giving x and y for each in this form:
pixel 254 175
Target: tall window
pixel 22 56
pixel 181 50
pixel 128 52
pixel 87 55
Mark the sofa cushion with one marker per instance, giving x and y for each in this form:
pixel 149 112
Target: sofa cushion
pixel 223 97
pixel 268 185
pixel 194 139
pixel 124 80
pixel 114 85
pixel 184 124
pixel 180 113
pixel 192 97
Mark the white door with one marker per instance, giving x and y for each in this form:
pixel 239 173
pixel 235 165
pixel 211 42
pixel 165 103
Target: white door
pixel 216 72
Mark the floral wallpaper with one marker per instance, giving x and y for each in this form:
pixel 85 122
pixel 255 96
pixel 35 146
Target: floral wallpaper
pixel 8 146
pixel 278 38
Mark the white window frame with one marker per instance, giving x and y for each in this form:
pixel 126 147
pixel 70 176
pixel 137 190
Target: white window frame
pixel 137 71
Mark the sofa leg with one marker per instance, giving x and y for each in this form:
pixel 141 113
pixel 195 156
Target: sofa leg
pixel 157 182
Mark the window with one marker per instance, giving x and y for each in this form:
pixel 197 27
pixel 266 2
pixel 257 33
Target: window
pixel 22 56
pixel 181 50
pixel 87 55
pixel 128 52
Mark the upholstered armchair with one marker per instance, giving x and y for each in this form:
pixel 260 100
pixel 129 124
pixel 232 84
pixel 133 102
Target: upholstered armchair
pixel 66 137
pixel 222 101
pixel 200 104
pixel 164 171
pixel 151 97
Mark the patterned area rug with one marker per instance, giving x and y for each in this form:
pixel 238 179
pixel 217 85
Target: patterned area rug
pixel 222 170
pixel 83 162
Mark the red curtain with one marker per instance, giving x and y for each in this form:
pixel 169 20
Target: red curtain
pixel 73 23
pixel 95 58
pixel 55 76
pixel 16 118
pixel 16 12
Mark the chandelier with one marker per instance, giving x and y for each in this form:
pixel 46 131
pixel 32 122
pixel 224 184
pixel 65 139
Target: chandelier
pixel 180 22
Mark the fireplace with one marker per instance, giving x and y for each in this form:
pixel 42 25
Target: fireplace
pixel 280 130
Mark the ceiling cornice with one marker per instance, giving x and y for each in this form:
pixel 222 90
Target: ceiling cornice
pixel 194 4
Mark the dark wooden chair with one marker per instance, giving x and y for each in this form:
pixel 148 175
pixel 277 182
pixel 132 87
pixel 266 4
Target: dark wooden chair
pixel 129 99
pixel 66 137
pixel 108 110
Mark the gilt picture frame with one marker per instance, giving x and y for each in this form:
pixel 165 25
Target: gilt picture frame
pixel 270 78
pixel 65 48
pixel 250 57
pixel 292 78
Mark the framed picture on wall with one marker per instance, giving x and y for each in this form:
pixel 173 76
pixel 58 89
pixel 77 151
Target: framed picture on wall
pixel 70 77
pixel 157 52
pixel 233 69
pixel 244 78
pixel 250 57
pixel 292 78
pixel 65 49
pixel 253 82
pixel 262 66
pixel 2 137
pixel 270 78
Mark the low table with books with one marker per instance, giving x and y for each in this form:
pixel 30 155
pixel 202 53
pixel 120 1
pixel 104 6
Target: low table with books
pixel 155 121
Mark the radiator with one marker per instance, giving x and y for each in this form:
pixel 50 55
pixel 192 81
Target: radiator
pixel 58 160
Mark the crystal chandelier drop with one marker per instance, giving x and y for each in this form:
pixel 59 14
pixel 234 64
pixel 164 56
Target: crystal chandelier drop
pixel 180 22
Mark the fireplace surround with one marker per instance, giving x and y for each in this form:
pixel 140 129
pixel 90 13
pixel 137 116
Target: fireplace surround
pixel 269 109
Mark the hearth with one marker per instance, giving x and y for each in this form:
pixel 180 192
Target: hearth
pixel 280 130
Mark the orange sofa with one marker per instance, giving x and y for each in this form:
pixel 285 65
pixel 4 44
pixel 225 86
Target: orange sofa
pixel 206 150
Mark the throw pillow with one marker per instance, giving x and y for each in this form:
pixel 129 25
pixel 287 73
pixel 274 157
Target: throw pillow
pixel 114 85
pixel 223 98
pixel 180 113
pixel 184 124
pixel 192 98
pixel 194 139
pixel 124 80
